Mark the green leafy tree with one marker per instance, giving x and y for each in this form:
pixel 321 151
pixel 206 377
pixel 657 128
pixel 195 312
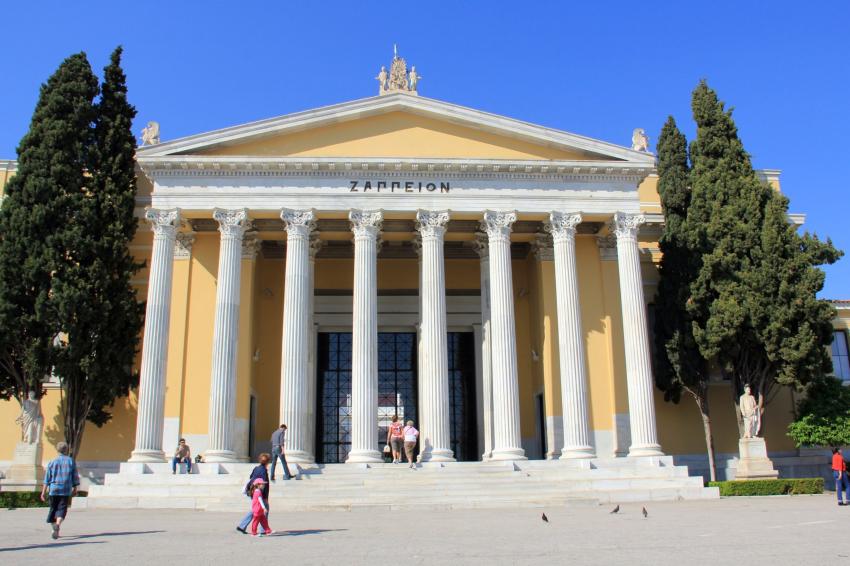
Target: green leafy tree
pixel 823 414
pixel 34 216
pixel 679 365
pixel 753 302
pixel 97 305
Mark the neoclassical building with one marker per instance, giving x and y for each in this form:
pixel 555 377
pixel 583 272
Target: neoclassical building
pixel 485 277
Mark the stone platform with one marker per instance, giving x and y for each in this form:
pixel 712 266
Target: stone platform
pixel 461 485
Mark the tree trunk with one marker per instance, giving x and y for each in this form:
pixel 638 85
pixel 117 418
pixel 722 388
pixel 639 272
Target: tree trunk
pixel 702 403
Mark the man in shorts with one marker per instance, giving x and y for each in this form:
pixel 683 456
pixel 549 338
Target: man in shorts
pixel 60 484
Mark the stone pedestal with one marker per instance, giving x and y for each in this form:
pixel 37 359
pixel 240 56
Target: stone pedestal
pixel 26 472
pixel 754 463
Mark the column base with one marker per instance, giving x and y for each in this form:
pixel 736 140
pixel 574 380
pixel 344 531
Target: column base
pixel 508 454
pixel 220 456
pixel 299 457
pixel 643 450
pixel 437 455
pixel 147 456
pixel 577 452
pixel 364 457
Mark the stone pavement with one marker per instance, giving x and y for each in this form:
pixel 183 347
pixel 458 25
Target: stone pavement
pixel 762 530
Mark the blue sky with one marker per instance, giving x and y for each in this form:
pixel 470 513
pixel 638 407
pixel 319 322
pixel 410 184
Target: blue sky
pixel 598 70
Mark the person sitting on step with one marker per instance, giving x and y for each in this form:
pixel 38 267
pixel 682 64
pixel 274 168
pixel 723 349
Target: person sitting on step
pixel 181 455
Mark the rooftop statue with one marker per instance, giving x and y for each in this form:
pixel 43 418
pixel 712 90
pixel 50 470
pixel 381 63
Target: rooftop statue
pixel 150 134
pixel 397 79
pixel 640 141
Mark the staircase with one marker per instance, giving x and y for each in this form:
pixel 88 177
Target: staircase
pixel 461 485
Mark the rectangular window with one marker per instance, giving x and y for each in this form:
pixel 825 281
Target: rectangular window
pixel 840 356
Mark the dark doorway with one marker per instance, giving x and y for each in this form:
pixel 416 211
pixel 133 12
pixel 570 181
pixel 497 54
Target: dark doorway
pixel 397 391
pixel 540 409
pixel 464 437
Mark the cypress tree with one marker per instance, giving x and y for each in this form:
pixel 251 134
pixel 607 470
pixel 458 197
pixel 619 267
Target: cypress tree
pixel 34 216
pixel 94 296
pixel 679 366
pixel 753 302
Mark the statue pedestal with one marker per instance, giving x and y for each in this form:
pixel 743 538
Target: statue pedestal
pixel 26 472
pixel 754 463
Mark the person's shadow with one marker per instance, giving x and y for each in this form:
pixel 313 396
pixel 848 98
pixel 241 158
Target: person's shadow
pixel 304 532
pixel 75 540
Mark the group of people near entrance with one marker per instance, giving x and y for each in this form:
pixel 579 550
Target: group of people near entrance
pixel 61 479
pixel 398 436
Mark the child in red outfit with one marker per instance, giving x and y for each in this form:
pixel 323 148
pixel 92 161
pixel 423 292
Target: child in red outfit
pixel 258 507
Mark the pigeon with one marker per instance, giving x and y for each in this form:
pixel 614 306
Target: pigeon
pixel 645 514
pixel 545 518
pixel 616 510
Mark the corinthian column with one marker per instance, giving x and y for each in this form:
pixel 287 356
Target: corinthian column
pixel 434 378
pixel 297 298
pixel 232 225
pixel 366 225
pixel 483 250
pixel 562 226
pixel 506 433
pixel 638 368
pixel 155 346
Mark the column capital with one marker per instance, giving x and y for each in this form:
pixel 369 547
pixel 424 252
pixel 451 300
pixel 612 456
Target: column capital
pixel 251 245
pixel 481 246
pixel 498 223
pixel 366 223
pixel 233 222
pixel 298 222
pixel 562 225
pixel 432 223
pixel 183 245
pixel 163 221
pixel 625 226
pixel 543 247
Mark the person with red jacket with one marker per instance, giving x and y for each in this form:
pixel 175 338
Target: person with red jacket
pixel 839 472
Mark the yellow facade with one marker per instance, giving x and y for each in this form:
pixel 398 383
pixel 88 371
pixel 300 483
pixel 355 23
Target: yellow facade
pixel 402 135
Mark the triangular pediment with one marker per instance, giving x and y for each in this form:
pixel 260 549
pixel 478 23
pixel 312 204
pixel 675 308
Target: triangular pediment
pixel 398 126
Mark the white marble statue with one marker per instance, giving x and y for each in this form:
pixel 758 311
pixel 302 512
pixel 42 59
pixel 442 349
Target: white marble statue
pixel 382 80
pixel 640 141
pixel 414 78
pixel 31 419
pixel 750 413
pixel 150 134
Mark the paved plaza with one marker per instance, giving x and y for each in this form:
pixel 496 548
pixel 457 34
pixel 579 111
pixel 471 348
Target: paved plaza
pixel 775 530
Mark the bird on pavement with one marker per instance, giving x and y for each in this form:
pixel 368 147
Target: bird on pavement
pixel 616 510
pixel 645 514
pixel 545 518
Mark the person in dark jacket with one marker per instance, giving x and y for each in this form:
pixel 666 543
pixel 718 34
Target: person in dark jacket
pixel 261 472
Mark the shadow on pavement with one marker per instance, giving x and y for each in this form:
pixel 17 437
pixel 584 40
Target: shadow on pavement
pixel 305 532
pixel 115 534
pixel 49 545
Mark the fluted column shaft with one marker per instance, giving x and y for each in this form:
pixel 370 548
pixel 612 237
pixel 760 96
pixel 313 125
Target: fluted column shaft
pixel 364 341
pixel 562 226
pixel 315 246
pixel 297 295
pixel 638 365
pixel 434 380
pixel 155 346
pixel 507 439
pixel 483 250
pixel 232 225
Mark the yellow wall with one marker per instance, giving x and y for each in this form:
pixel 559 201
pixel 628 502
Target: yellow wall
pixel 397 134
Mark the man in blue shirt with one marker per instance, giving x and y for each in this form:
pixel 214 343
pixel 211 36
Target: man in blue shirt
pixel 60 483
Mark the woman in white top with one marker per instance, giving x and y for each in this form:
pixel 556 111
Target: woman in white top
pixel 410 437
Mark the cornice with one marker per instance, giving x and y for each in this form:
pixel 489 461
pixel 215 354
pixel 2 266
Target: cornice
pixel 196 166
